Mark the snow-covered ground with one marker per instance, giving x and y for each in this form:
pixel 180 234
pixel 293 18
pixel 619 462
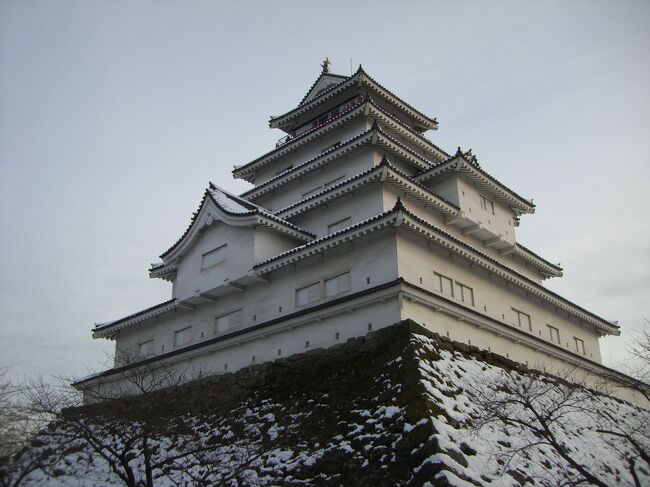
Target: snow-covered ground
pixel 399 409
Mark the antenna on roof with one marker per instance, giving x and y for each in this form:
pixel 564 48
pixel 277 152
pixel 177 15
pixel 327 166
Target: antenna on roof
pixel 326 65
pixel 351 72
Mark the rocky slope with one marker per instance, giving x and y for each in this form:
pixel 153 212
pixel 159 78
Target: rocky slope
pixel 402 406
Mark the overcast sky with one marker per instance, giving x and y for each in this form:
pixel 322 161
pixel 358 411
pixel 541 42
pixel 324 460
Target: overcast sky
pixel 115 115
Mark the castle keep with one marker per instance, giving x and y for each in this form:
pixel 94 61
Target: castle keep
pixel 355 221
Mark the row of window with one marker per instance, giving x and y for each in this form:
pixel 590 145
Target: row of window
pixel 465 294
pixel 456 290
pixel 323 289
pixel 311 293
pixel 523 320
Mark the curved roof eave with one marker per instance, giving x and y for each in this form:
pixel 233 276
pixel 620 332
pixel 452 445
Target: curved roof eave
pixel 459 163
pixel 251 217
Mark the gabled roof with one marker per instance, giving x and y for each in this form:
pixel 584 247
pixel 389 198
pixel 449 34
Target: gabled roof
pixel 219 204
pixel 360 78
pixel 468 166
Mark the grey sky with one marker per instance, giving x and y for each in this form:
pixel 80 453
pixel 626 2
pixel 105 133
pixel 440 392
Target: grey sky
pixel 115 115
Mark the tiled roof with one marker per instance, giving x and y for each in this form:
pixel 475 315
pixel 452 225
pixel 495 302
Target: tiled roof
pixel 385 163
pixel 331 236
pixel 504 267
pixel 347 144
pixel 537 256
pixel 236 207
pixel 101 326
pixel 294 169
pixel 246 330
pixel 243 168
pixel 400 207
pixel 350 297
pixel 449 166
pixel 360 72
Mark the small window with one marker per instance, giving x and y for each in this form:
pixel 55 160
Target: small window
pixel 227 322
pixel 339 225
pixel 465 294
pixel 214 257
pixel 308 294
pixel 554 333
pixel 182 337
pixel 580 345
pixel 337 285
pixel 445 285
pixel 487 204
pixel 145 348
pixel 523 320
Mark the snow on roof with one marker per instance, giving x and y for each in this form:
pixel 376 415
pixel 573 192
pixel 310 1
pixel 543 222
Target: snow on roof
pixel 240 207
pixel 230 202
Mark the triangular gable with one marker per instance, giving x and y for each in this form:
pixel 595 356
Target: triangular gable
pixel 220 205
pixel 324 82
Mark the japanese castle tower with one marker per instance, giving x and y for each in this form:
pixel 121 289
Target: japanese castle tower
pixel 355 221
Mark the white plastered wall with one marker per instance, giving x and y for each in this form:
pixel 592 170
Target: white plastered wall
pixel 436 218
pixel 492 297
pixel 370 260
pixel 359 205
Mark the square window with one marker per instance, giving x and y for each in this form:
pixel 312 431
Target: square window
pixel 580 345
pixel 213 257
pixel 487 204
pixel 227 322
pixel 337 285
pixel 465 294
pixel 523 320
pixel 554 334
pixel 182 337
pixel 445 284
pixel 145 348
pixel 308 294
